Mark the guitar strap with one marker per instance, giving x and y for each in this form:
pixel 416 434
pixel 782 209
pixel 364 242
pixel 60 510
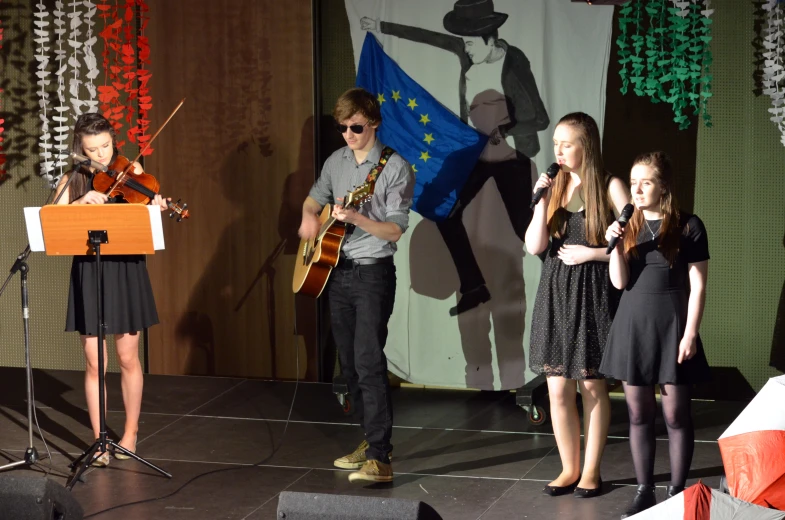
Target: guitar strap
pixel 374 173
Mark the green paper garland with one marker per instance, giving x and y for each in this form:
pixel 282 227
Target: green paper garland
pixel 669 60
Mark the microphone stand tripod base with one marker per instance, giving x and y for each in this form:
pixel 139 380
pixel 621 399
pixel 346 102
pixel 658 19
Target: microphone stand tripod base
pixel 31 457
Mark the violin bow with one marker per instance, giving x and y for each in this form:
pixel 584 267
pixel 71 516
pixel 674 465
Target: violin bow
pixel 121 175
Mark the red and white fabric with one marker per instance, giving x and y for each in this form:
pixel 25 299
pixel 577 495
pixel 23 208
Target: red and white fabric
pixel 753 448
pixel 700 502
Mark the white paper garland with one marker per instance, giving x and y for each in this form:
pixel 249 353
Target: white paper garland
pixel 773 72
pixel 90 61
pixel 73 59
pixel 61 116
pixel 42 73
pixel 82 53
pixel 682 6
pixel 707 11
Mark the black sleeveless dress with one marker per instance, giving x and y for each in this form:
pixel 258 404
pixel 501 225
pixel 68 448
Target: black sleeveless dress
pixel 643 345
pixel 573 310
pixel 127 297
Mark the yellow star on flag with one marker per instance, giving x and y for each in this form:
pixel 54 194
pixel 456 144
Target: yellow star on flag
pixel 412 103
pixel 380 98
pixel 424 119
pixel 429 138
pixel 424 156
pixel 396 95
pixel 414 168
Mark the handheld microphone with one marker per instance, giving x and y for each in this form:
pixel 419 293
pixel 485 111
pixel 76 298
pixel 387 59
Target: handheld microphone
pixel 626 213
pixel 81 159
pixel 552 171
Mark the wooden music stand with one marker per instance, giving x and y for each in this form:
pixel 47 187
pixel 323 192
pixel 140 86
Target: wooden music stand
pixel 66 227
pixel 99 229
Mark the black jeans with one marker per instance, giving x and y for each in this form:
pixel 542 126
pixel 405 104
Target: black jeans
pixel 361 301
pixel 514 182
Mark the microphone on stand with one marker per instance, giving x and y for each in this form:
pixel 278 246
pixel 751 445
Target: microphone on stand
pixel 552 171
pixel 86 161
pixel 79 160
pixel 626 213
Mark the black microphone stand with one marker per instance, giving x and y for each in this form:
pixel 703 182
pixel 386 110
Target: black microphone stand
pixel 20 266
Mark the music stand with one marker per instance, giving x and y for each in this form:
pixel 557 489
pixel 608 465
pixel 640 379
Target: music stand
pixel 99 229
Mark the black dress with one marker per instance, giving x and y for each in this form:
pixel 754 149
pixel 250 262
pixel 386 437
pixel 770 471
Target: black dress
pixel 572 312
pixel 127 297
pixel 643 345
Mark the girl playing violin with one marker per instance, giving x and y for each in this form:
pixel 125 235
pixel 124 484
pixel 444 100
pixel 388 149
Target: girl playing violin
pixel 127 293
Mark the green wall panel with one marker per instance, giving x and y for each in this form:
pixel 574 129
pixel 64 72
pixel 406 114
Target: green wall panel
pixel 740 195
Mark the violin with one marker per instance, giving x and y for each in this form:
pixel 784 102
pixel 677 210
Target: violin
pixel 120 181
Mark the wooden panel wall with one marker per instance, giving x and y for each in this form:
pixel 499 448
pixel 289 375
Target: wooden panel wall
pixel 240 153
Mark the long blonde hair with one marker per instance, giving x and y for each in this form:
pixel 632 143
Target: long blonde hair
pixel 668 239
pixel 597 203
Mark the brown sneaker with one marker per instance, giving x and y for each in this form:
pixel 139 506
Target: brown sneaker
pixel 356 459
pixel 373 471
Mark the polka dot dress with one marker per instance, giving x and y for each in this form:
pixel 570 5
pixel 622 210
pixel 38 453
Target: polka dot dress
pixel 573 311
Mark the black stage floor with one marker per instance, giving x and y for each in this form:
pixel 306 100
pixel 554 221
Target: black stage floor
pixel 467 454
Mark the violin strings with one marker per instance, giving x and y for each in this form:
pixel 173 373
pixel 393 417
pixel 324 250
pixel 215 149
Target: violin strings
pixel 140 188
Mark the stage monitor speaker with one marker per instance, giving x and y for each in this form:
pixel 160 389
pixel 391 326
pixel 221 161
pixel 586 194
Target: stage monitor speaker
pixel 36 498
pixel 318 506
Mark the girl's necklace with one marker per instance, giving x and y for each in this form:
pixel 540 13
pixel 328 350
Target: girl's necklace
pixel 653 234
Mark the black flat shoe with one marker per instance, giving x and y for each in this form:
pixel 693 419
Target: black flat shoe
pixel 644 499
pixel 674 490
pixel 588 493
pixel 557 491
pixel 471 299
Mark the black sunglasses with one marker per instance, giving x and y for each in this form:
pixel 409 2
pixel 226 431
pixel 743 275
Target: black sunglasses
pixel 356 129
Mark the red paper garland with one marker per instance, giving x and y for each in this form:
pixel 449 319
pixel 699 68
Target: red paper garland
pixel 143 75
pixel 125 57
pixel 128 63
pixel 108 93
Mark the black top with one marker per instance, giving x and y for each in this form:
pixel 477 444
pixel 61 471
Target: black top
pixel 650 271
pixel 643 343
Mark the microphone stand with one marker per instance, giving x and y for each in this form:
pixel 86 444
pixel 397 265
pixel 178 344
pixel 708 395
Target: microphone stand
pixel 20 266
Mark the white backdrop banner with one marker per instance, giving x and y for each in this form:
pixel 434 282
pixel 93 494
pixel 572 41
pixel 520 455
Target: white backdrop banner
pixel 511 69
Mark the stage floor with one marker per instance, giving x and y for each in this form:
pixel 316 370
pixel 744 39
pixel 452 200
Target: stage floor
pixel 468 454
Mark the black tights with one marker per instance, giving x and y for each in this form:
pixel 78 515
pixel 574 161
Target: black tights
pixel 642 407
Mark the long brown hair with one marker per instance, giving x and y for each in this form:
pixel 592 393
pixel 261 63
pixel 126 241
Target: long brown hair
pixel 595 183
pixel 668 239
pixel 87 124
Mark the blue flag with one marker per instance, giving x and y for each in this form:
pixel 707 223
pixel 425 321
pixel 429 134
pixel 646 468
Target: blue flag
pixel 441 148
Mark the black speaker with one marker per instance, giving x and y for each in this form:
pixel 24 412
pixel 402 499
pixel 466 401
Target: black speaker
pixel 36 498
pixel 318 506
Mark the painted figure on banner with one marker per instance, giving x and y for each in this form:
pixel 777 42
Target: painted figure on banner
pixel 498 97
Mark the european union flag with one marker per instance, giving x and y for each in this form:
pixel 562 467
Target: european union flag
pixel 441 148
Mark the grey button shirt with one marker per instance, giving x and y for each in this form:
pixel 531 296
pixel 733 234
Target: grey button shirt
pixel 391 200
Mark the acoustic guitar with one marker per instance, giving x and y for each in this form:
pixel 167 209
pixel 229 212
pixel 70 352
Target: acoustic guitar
pixel 317 257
